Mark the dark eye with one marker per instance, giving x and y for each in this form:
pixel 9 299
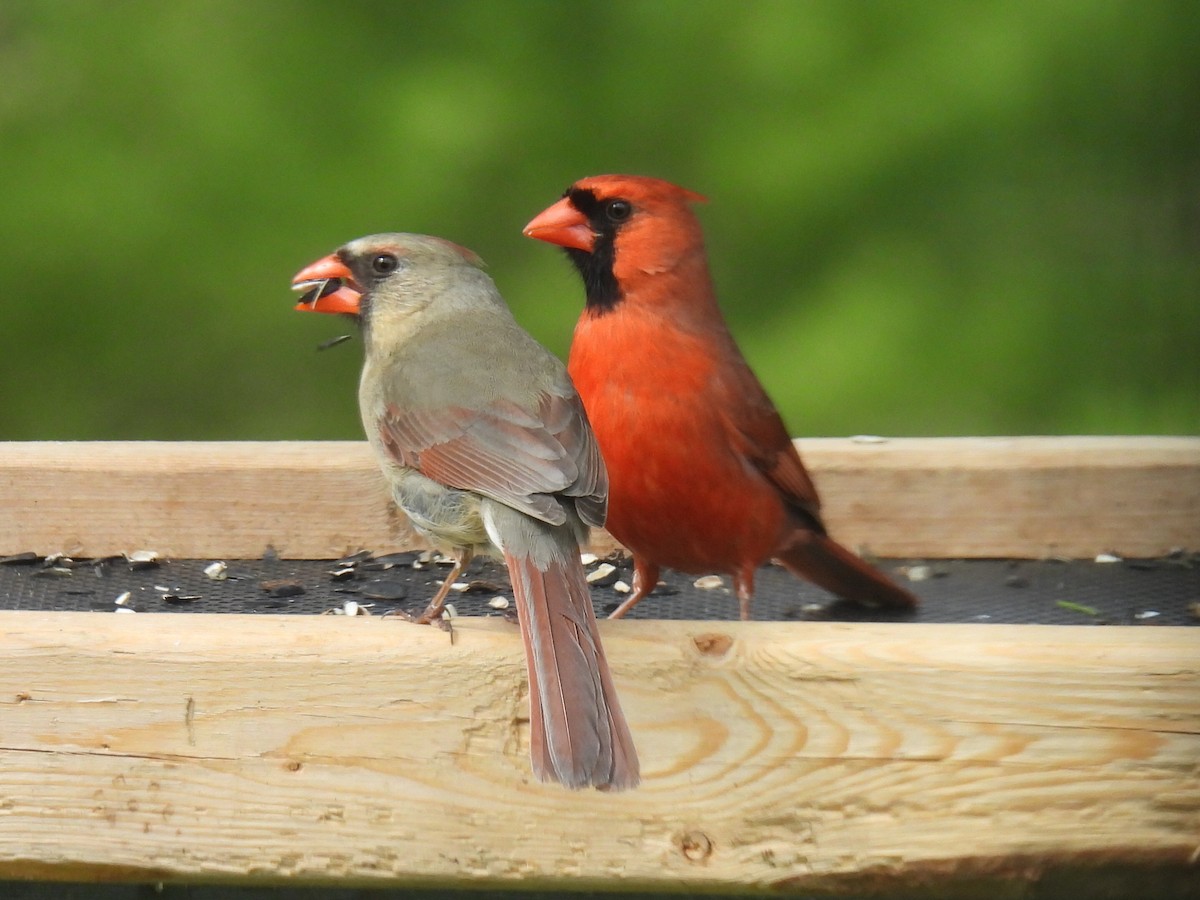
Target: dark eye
pixel 618 210
pixel 384 263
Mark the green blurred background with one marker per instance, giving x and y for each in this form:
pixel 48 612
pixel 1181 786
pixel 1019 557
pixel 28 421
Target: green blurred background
pixel 934 218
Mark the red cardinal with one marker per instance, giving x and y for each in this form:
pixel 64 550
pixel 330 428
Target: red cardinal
pixel 487 449
pixel 703 475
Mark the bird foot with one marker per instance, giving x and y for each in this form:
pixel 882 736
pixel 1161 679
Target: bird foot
pixel 428 616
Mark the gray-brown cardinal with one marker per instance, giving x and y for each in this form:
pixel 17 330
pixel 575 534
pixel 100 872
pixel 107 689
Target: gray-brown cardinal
pixel 485 443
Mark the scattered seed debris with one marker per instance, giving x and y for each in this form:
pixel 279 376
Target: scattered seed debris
pixel 603 574
pixel 388 561
pixel 449 611
pixel 353 559
pixel 621 587
pixel 343 574
pixel 483 586
pixel 477 586
pixel 1107 558
pixel 351 608
pixel 588 558
pixel 54 571
pixel 143 559
pixel 1146 614
pixel 217 571
pixel 282 588
pixel 124 609
pixel 179 599
pixel 868 439
pixel 384 590
pixel 123 599
pixel 28 558
pixel 1077 607
pixel 708 582
pixel 333 341
pixel 498 603
pixel 917 573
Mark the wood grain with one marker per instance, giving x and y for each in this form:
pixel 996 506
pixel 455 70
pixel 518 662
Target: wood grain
pixel 932 497
pixel 816 757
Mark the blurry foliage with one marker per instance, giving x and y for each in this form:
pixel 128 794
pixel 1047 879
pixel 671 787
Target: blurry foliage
pixel 935 218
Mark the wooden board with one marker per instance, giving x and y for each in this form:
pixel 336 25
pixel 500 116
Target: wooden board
pixel 815 757
pixel 930 497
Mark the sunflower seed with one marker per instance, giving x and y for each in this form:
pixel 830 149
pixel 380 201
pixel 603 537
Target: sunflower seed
pixel 333 341
pixel 282 588
pixel 603 574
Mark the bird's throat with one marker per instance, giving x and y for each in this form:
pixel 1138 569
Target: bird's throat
pixel 602 290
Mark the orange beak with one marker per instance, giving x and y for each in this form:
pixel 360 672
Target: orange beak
pixel 564 225
pixel 329 287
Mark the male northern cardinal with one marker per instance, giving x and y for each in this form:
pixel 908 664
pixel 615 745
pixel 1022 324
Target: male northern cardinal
pixel 703 475
pixel 487 449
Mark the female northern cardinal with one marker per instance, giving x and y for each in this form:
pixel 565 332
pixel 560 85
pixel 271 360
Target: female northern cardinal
pixel 703 474
pixel 487 448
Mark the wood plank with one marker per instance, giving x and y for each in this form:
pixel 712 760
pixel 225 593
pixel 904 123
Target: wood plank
pixel 947 497
pixel 824 756
pixel 308 500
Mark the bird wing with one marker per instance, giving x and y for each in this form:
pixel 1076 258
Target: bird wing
pixel 519 457
pixel 757 432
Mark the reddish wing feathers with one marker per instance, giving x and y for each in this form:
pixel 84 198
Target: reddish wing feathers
pixel 515 456
pixel 757 432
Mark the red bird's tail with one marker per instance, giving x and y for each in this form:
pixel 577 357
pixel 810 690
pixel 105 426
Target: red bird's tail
pixel 831 566
pixel 578 734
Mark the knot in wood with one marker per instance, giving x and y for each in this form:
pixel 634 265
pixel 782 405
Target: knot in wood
pixel 694 845
pixel 713 644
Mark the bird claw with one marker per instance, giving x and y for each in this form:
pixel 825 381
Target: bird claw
pixel 428 616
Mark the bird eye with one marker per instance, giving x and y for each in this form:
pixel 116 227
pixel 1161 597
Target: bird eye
pixel 618 210
pixel 384 263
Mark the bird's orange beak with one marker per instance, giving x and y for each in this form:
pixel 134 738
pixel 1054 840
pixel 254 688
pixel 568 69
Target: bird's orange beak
pixel 329 287
pixel 564 225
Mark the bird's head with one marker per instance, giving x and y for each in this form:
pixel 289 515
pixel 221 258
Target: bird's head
pixel 384 275
pixel 619 229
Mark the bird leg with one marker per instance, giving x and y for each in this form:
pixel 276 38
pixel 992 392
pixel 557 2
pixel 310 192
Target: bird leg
pixel 433 611
pixel 645 578
pixel 743 586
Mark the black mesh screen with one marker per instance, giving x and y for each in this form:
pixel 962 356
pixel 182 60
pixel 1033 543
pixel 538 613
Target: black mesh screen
pixel 1129 592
